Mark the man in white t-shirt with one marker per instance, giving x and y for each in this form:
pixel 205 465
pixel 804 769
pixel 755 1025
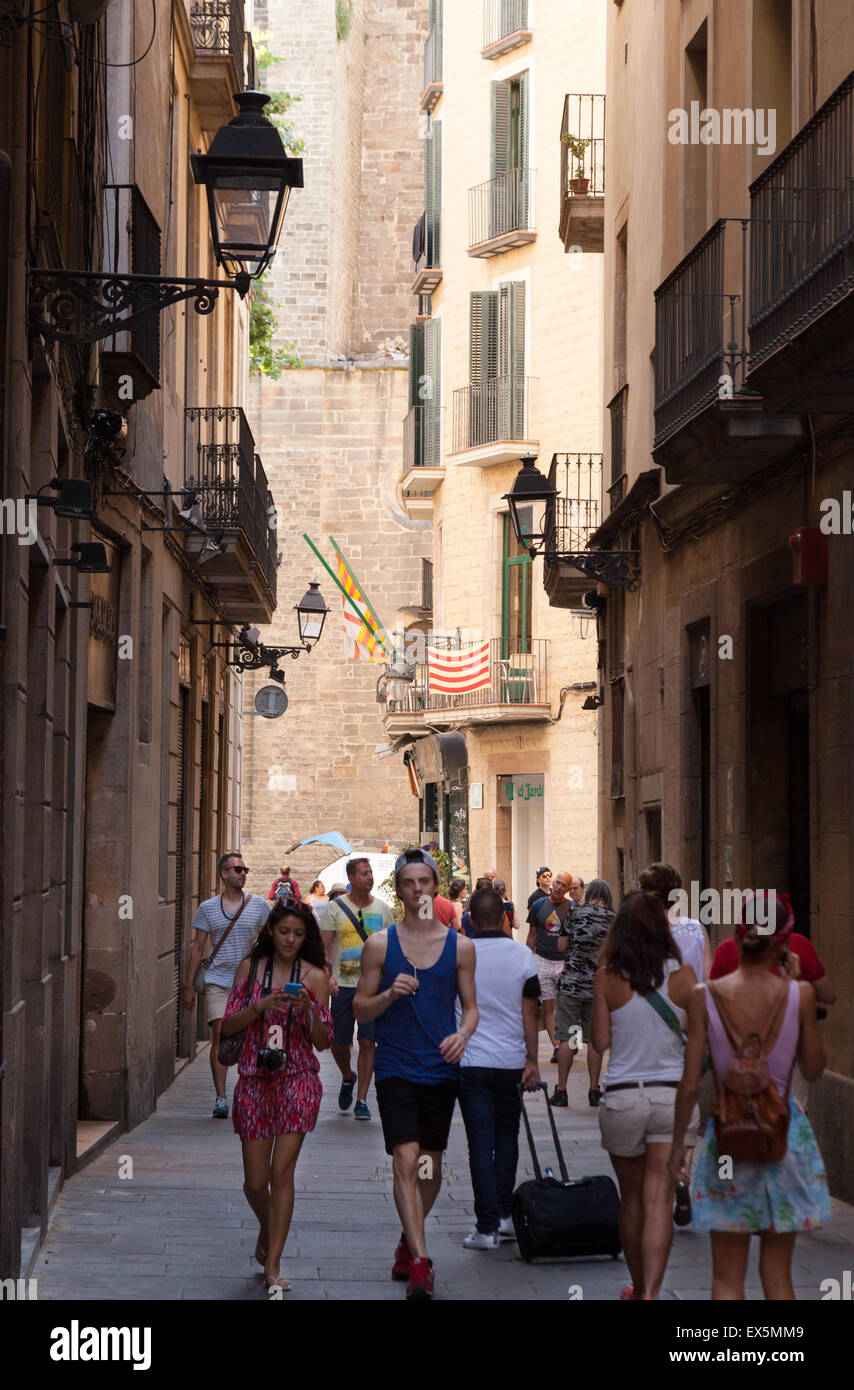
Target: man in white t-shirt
pixel 501 1053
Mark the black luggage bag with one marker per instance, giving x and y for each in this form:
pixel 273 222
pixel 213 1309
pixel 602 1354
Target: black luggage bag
pixel 565 1217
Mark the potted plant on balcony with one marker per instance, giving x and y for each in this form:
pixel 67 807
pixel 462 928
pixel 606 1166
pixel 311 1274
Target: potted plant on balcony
pixel 576 146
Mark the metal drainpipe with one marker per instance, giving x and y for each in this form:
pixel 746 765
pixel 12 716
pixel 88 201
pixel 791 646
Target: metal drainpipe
pixel 631 781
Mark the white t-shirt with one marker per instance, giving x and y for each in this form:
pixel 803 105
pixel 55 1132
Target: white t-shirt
pixel 503 969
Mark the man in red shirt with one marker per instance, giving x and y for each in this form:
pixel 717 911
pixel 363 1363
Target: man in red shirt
pixel 801 963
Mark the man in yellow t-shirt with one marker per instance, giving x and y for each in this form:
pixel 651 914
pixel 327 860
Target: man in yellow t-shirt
pixel 347 923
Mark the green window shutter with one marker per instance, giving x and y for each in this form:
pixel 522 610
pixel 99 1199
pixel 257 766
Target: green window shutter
pixel 416 362
pixel 483 336
pixel 511 354
pixel 433 194
pixel 500 128
pixel 433 401
pixel 524 194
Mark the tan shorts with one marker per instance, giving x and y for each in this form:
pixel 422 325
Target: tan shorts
pixel 216 998
pixel 549 972
pixel 629 1120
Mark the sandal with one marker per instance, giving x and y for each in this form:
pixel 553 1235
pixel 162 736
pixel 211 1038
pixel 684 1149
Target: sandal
pixel 280 1282
pixel 627 1294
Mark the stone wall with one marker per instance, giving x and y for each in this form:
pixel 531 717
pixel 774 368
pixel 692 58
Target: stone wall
pixel 330 435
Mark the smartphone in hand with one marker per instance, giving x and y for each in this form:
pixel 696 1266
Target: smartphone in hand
pixel 293 988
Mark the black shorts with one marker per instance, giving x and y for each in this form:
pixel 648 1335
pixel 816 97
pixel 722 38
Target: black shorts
pixel 414 1113
pixel 344 1019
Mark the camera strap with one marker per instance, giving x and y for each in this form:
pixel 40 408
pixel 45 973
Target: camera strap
pixel 267 988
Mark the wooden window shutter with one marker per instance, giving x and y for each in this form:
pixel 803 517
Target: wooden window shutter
pixel 433 194
pixel 483 336
pixel 500 128
pixel 416 362
pixel 433 386
pixel 511 329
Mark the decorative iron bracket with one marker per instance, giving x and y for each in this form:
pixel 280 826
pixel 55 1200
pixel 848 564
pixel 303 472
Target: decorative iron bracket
pixel 619 569
pixel 84 306
pixel 253 658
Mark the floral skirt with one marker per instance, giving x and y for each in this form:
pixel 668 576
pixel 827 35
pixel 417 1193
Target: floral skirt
pixel 265 1106
pixel 790 1195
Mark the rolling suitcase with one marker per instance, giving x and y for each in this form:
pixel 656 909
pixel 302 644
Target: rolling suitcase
pixel 564 1217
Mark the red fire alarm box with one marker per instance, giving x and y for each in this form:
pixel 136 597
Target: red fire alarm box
pixel 809 552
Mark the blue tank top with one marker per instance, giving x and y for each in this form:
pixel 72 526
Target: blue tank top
pixel 409 1032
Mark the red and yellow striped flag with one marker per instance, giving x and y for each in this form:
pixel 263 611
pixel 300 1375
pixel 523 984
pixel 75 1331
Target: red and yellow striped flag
pixel 363 640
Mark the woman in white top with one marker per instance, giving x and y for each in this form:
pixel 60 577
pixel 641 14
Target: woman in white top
pixel 645 1067
pixel 690 935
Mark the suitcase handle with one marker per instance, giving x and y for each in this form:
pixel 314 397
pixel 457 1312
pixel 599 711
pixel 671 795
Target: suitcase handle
pixel 537 1171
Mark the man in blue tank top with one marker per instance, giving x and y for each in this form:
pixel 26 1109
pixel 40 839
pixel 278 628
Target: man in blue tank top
pixel 412 974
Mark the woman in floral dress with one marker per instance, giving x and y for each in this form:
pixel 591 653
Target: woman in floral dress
pixel 736 1199
pixel 277 1096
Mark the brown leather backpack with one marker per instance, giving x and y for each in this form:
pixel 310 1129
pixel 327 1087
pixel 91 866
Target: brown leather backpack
pixel 751 1118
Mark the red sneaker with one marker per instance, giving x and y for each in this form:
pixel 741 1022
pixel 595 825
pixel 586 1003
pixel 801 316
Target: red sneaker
pixel 402 1260
pixel 420 1279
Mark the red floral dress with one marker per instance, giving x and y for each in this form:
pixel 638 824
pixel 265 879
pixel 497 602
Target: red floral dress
pixel 285 1102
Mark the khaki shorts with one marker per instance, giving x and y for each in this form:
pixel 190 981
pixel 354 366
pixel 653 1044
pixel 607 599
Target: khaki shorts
pixel 216 998
pixel 572 1013
pixel 629 1120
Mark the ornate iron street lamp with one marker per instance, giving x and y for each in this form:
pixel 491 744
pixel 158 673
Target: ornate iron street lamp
pixel 530 489
pixel 248 178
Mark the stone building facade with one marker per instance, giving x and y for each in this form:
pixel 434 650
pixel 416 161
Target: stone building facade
pixel 727 727
pixel 120 720
pixel 330 433
pixel 506 326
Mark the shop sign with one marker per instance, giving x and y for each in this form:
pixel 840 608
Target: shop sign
pixel 521 789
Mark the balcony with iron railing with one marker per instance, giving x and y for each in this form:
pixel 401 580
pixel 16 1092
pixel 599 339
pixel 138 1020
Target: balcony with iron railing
pixel 500 213
pixel 433 83
pixel 492 422
pixel 570 520
pixel 802 266
pixel 427 252
pixel 505 27
pixel 422 460
pixel 515 689
pixel 219 66
pixel 582 173
pixel 710 426
pixel 236 552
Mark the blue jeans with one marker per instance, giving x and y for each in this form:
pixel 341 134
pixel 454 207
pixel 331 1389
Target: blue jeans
pixel 491 1110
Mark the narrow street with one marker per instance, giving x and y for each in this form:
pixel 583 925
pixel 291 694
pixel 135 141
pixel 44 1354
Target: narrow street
pixel 179 1228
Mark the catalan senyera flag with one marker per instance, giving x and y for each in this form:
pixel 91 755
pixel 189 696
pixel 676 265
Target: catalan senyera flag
pixel 455 673
pixel 363 640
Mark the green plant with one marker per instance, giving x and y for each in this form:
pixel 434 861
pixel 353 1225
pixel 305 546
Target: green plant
pixel 280 101
pixel 576 146
pixel 343 18
pixel 264 358
pixel 443 861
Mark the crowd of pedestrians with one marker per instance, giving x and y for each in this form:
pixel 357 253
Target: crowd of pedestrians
pixel 446 1005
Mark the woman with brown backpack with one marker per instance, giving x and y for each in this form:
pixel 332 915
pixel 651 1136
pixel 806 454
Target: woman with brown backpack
pixel 759 1170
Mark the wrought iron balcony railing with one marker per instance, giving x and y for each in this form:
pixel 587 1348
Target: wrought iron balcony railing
pixel 700 326
pixel 576 511
pixel 501 18
pixel 802 227
pixel 497 409
pixel 217 26
pixel 500 206
pixel 422 438
pixel 223 469
pixel 517 674
pixel 583 119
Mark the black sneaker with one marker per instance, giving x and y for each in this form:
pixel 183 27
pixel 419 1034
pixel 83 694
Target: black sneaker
pixel 559 1097
pixel 345 1095
pixel 594 1097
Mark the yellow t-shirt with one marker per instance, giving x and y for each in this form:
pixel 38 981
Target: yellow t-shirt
pixel 347 947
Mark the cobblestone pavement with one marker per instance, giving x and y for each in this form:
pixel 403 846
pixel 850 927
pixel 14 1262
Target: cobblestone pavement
pixel 180 1228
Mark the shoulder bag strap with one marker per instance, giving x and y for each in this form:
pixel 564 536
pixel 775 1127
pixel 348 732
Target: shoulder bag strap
pixel 356 923
pixel 666 1014
pixel 221 942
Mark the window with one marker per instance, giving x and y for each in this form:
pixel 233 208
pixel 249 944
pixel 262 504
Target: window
pixel 510 187
pixel 617 706
pixel 497 363
pixel 516 593
pixel 425 388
